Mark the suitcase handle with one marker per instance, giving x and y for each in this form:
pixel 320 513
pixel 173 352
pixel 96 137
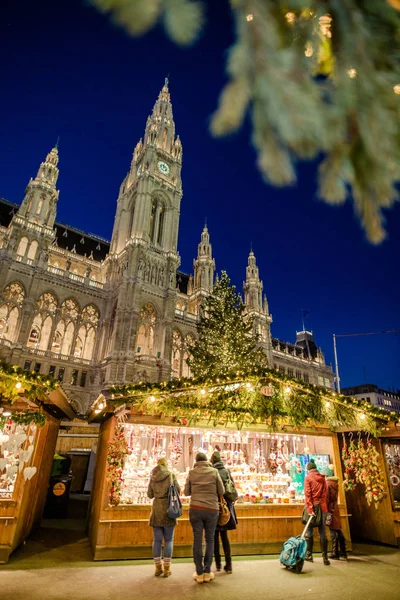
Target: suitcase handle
pixel 306 527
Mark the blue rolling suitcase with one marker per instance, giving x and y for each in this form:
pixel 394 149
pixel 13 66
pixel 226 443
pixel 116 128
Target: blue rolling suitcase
pixel 294 551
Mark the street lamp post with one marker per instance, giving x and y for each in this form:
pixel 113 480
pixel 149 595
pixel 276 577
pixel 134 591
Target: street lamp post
pixel 336 335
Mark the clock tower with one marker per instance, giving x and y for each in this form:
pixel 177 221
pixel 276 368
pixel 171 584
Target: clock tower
pixel 143 259
pixel 149 200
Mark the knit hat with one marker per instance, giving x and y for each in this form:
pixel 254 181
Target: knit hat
pixel 329 470
pixel 311 465
pixel 216 457
pixel 201 457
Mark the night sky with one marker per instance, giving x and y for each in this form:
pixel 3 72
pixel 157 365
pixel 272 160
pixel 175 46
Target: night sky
pixel 67 71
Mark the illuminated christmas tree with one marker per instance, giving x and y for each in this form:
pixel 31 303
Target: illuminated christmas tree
pixel 226 345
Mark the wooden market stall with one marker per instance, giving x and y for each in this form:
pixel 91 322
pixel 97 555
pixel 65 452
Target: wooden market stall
pixel 28 435
pixel 268 515
pixel 379 523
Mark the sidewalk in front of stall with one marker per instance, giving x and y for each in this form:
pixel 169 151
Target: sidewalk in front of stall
pixel 46 569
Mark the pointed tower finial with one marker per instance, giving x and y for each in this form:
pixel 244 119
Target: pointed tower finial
pixel 58 139
pixel 166 81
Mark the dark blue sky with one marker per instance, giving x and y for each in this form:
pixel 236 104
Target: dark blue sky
pixel 66 71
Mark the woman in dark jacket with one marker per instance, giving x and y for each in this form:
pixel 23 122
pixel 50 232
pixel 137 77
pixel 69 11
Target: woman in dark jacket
pixel 337 537
pixel 163 526
pixel 222 530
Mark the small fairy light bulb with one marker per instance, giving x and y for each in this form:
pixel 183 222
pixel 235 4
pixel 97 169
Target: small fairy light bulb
pixel 18 385
pixel 152 399
pixel 290 18
pixel 396 88
pixel 352 73
pixel 288 389
pixel 249 17
pixel 308 50
pixel 327 404
pixel 363 416
pixel 203 392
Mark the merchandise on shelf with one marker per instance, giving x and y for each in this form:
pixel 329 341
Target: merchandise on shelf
pixel 16 449
pixel 266 468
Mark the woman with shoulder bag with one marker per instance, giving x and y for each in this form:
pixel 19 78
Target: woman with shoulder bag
pixel 335 526
pixel 163 526
pixel 221 531
pixel 315 491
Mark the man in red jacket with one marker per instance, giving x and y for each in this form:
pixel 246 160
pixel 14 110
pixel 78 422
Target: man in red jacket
pixel 315 490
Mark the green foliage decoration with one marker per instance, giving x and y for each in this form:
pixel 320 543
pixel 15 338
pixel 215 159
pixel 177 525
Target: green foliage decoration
pixel 242 401
pixel 16 383
pixel 26 417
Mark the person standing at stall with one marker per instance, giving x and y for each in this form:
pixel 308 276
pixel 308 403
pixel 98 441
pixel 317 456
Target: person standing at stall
pixel 315 490
pixel 163 525
pixel 335 526
pixel 230 496
pixel 204 486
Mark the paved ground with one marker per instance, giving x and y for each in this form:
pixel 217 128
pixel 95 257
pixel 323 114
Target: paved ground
pixel 45 569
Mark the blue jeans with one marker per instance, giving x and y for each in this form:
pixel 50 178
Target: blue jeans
pixel 203 520
pixel 168 534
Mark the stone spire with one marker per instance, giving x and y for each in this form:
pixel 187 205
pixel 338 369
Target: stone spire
pixel 204 265
pixel 160 126
pixel 253 286
pixel 40 201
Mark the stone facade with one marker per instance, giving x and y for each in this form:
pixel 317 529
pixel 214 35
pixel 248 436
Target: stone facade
pixel 94 313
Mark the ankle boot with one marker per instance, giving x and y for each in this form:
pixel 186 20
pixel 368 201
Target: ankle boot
pixel 324 546
pixel 167 568
pixel 159 569
pixel 310 543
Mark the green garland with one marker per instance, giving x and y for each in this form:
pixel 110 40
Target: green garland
pixel 26 417
pixel 240 401
pixel 32 386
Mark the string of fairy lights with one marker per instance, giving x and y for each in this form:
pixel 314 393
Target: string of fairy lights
pixel 264 396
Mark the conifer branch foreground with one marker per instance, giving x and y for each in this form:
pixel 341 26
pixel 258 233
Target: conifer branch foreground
pixel 318 78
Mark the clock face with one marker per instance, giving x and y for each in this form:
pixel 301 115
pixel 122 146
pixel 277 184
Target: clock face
pixel 139 170
pixel 163 168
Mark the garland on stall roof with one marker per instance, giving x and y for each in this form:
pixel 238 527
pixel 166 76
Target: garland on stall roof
pixel 118 449
pixel 362 466
pixel 16 383
pixel 26 417
pixel 262 396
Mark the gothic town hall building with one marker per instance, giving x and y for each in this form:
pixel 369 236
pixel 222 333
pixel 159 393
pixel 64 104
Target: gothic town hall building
pixel 93 313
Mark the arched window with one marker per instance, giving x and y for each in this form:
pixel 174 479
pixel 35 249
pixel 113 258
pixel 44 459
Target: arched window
pixel 34 333
pixel 13 295
pixel 47 302
pixel 189 341
pixel 176 358
pixel 160 226
pixel 153 220
pixel 84 345
pixel 9 315
pixel 22 246
pixel 40 204
pixel 111 330
pixel 78 346
pixel 66 344
pixel 32 250
pixel 146 332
